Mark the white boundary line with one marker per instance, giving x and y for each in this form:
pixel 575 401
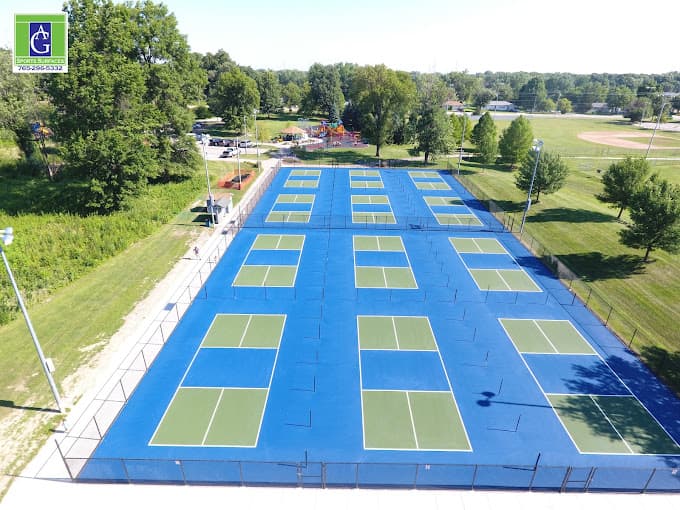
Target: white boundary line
pixel 212 417
pixel 413 423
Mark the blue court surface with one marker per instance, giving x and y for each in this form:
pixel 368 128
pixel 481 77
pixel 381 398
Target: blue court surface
pixel 410 352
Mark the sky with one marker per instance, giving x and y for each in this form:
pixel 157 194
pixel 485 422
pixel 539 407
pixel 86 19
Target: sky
pixel 577 36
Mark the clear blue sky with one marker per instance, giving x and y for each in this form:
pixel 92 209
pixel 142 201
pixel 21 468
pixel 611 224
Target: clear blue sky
pixel 579 36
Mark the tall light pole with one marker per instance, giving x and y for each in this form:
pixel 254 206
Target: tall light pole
pixel 238 160
pixel 537 148
pixel 209 203
pixel 658 122
pixel 257 139
pixel 7 238
pixel 462 139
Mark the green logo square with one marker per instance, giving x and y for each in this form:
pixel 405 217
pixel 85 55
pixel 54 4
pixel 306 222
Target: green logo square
pixel 40 43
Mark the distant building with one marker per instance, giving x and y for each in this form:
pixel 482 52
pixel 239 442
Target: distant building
pixel 602 108
pixel 501 106
pixel 453 106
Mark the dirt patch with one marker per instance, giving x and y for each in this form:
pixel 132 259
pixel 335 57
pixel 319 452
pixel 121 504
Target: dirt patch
pixel 617 139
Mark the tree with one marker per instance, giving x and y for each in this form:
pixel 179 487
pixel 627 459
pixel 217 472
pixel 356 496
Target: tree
pixel 324 89
pixel 622 180
pixel 382 97
pixel 564 105
pixel 482 98
pixel 484 136
pixel 270 92
pixel 638 109
pixel 433 131
pixel 291 94
pixel 551 173
pixel 532 94
pixel 235 95
pixel 516 140
pixel 131 74
pixel 655 212
pixel 619 97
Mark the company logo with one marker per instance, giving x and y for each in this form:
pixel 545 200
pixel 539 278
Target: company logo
pixel 40 43
pixel 40 39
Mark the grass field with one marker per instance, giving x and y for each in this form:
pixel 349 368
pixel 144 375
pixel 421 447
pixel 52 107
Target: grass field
pixel 75 322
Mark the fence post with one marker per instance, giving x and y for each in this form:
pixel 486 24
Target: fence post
pixel 61 454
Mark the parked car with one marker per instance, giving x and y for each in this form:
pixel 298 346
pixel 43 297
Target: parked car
pixel 229 153
pixel 240 178
pixel 244 144
pixel 229 143
pixel 218 142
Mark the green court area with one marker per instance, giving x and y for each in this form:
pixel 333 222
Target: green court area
pixel 514 280
pixel 458 219
pixel 301 183
pixel 412 420
pixel 245 330
pixel 266 276
pixel 370 199
pixel 612 425
pixel 364 173
pixel 546 336
pixel 429 185
pixel 378 243
pixel 384 278
pixel 477 245
pixel 288 217
pixel 278 242
pixel 395 333
pixel 374 217
pixel 305 173
pixel 212 417
pixel 433 200
pixel 358 183
pixel 424 174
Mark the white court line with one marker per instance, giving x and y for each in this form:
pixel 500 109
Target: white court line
pixel 212 417
pixel 243 335
pixel 498 272
pixel 611 424
pixel 269 268
pixel 557 351
pixel 396 336
pixel 413 423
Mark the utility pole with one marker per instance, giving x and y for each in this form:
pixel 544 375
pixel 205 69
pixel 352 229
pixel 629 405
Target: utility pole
pixel 537 148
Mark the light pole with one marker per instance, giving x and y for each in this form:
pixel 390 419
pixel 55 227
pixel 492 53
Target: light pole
pixel 7 238
pixel 209 203
pixel 257 139
pixel 658 122
pixel 537 148
pixel 462 139
pixel 238 160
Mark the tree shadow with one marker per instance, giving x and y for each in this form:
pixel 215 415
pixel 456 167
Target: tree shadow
pixel 593 266
pixel 603 379
pixel 570 215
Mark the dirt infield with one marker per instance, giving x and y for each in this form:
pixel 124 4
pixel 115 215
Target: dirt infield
pixel 618 139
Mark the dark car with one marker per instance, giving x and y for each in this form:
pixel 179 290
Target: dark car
pixel 219 142
pixel 240 178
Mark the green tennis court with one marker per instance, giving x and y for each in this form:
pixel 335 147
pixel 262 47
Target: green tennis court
pixel 395 333
pixel 245 330
pixel 378 243
pixel 287 210
pixel 412 420
pixel 278 242
pixel 458 219
pixel 364 173
pixel 424 174
pixel 288 217
pixel 300 183
pixel 263 274
pixel 370 199
pixel 514 280
pixel 546 336
pixel 428 185
pixel 358 183
pixel 434 200
pixel 612 424
pixel 305 173
pixel 378 275
pixel 294 198
pixel 477 245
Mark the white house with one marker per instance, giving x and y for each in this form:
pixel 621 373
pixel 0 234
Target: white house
pixel 453 106
pixel 501 106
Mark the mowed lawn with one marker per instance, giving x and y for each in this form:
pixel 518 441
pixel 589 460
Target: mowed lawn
pixel 584 234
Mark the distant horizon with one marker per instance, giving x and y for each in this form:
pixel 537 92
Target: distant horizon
pixel 443 36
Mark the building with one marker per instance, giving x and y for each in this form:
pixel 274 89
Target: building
pixel 501 106
pixel 453 106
